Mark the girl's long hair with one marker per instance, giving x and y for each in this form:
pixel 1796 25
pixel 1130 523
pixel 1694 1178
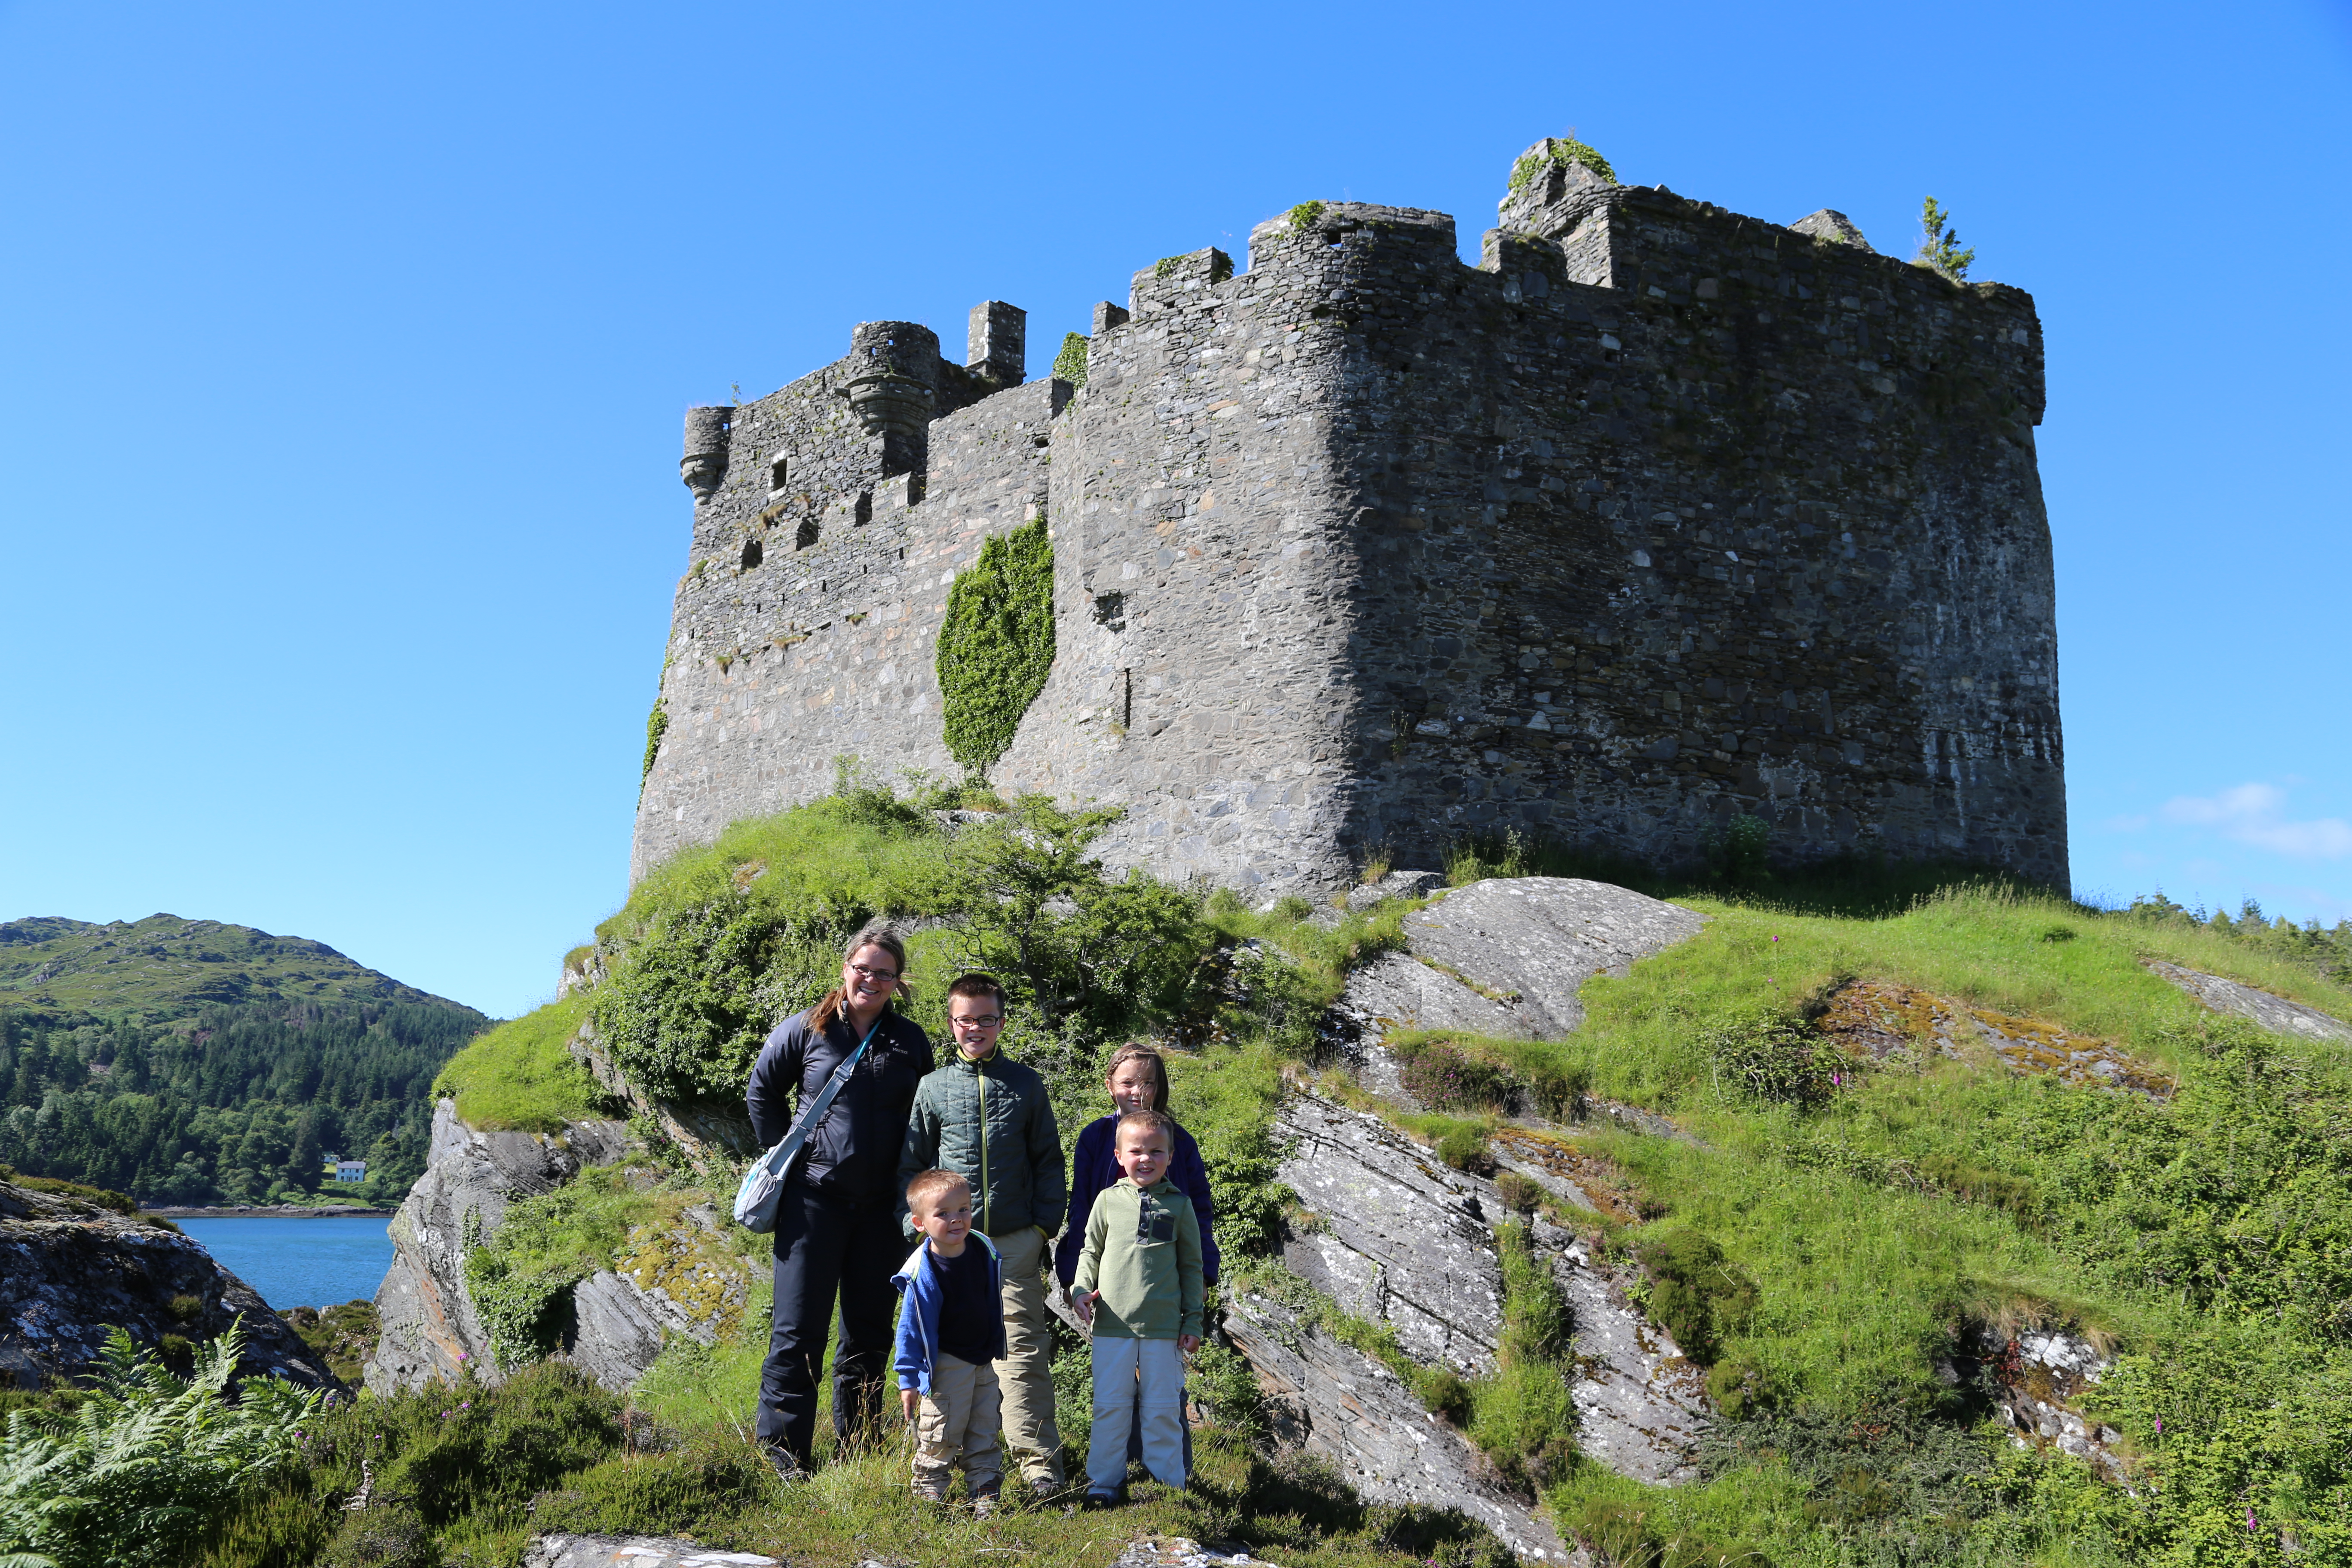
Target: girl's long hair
pixel 1140 1052
pixel 875 933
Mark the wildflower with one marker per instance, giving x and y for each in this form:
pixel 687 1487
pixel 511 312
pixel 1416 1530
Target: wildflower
pixel 461 1355
pixel 468 1405
pixel 2250 1521
pixel 2159 1426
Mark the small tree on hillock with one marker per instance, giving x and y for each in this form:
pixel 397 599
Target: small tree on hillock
pixel 1074 944
pixel 1939 243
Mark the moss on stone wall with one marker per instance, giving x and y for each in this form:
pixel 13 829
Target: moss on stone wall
pixel 997 644
pixel 1070 364
pixel 1565 150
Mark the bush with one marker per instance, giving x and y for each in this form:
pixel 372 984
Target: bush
pixel 686 1013
pixel 1696 1293
pixel 1040 913
pixel 1443 1079
pixel 1769 1057
pixel 149 1461
pixel 674 1492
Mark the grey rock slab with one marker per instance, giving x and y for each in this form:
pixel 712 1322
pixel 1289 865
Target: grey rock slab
pixel 429 1329
pixel 1537 940
pixel 2274 1013
pixel 1640 1406
pixel 1334 1400
pixel 1396 885
pixel 1396 990
pixel 635 1552
pixel 618 1331
pixel 1398 1238
pixel 1181 1551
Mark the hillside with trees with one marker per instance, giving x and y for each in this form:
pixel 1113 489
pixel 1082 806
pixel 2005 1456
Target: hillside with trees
pixel 195 1062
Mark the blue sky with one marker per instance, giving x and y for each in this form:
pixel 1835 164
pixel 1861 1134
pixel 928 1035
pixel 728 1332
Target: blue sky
pixel 345 347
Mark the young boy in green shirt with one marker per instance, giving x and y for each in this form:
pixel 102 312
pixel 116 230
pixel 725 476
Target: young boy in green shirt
pixel 1139 1290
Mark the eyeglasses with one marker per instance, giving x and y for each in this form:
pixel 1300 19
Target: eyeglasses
pixel 885 975
pixel 990 1021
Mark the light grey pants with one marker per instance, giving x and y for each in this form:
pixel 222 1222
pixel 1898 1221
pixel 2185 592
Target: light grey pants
pixel 1132 1376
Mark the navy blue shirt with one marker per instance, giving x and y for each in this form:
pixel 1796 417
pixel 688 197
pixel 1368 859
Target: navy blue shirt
pixel 1096 1166
pixel 970 1308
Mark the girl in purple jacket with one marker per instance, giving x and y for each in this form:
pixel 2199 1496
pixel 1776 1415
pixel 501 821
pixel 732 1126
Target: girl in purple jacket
pixel 1137 1080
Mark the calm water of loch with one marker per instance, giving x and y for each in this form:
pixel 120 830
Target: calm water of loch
pixel 300 1262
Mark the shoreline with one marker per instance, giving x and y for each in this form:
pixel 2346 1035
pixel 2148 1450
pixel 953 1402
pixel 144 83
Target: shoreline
pixel 272 1211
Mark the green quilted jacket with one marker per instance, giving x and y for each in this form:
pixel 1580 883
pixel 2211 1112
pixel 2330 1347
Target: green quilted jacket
pixel 991 1122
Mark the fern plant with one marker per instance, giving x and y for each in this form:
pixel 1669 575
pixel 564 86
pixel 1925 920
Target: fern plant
pixel 137 1475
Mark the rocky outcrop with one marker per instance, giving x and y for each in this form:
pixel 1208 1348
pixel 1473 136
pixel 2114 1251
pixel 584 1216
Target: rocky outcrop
pixel 680 1281
pixel 2038 1375
pixel 1880 1021
pixel 429 1328
pixel 1505 958
pixel 711 1134
pixel 2274 1013
pixel 1394 1237
pixel 1334 1400
pixel 70 1269
pixel 1180 1552
pixel 633 1552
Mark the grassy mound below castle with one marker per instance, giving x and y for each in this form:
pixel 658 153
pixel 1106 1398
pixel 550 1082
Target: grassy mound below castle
pixel 1848 1221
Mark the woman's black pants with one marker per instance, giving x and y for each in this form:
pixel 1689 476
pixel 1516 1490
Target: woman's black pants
pixel 826 1243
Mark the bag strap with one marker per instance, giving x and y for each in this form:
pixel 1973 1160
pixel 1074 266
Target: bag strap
pixel 813 1111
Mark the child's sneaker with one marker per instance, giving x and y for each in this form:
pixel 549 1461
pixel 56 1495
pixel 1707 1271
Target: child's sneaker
pixel 984 1506
pixel 1102 1499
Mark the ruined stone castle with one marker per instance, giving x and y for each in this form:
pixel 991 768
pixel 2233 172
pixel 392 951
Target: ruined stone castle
pixel 1657 515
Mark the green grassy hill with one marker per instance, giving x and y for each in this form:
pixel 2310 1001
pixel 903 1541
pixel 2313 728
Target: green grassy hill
pixel 165 967
pixel 190 1061
pixel 1867 1198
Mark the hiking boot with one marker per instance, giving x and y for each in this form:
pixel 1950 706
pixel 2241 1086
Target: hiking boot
pixel 788 1468
pixel 984 1506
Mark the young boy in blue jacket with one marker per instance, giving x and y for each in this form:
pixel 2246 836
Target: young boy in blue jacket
pixel 951 1334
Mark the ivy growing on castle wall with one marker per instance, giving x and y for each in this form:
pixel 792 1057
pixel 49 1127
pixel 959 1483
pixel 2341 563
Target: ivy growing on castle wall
pixel 997 644
pixel 656 724
pixel 1070 364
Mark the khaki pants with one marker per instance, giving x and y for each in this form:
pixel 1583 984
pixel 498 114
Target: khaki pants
pixel 1030 1430
pixel 957 1423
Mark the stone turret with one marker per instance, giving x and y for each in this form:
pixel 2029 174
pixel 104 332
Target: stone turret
pixel 705 463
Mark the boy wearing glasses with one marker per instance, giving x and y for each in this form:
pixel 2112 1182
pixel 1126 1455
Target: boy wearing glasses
pixel 987 1118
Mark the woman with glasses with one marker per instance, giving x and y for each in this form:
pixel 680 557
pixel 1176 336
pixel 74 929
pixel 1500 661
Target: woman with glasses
pixel 836 1227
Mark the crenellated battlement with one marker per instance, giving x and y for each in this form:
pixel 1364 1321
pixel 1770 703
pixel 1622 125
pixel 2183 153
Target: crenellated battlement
pixel 1658 514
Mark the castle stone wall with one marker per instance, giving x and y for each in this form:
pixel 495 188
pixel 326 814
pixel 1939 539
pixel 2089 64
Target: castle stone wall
pixel 787 656
pixel 1658 515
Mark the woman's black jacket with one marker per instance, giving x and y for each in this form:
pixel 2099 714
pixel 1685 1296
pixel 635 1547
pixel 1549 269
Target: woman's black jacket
pixel 853 1154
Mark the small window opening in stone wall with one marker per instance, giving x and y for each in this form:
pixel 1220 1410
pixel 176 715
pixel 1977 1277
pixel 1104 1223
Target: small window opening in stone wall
pixel 751 554
pixel 806 534
pixel 864 514
pixel 776 476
